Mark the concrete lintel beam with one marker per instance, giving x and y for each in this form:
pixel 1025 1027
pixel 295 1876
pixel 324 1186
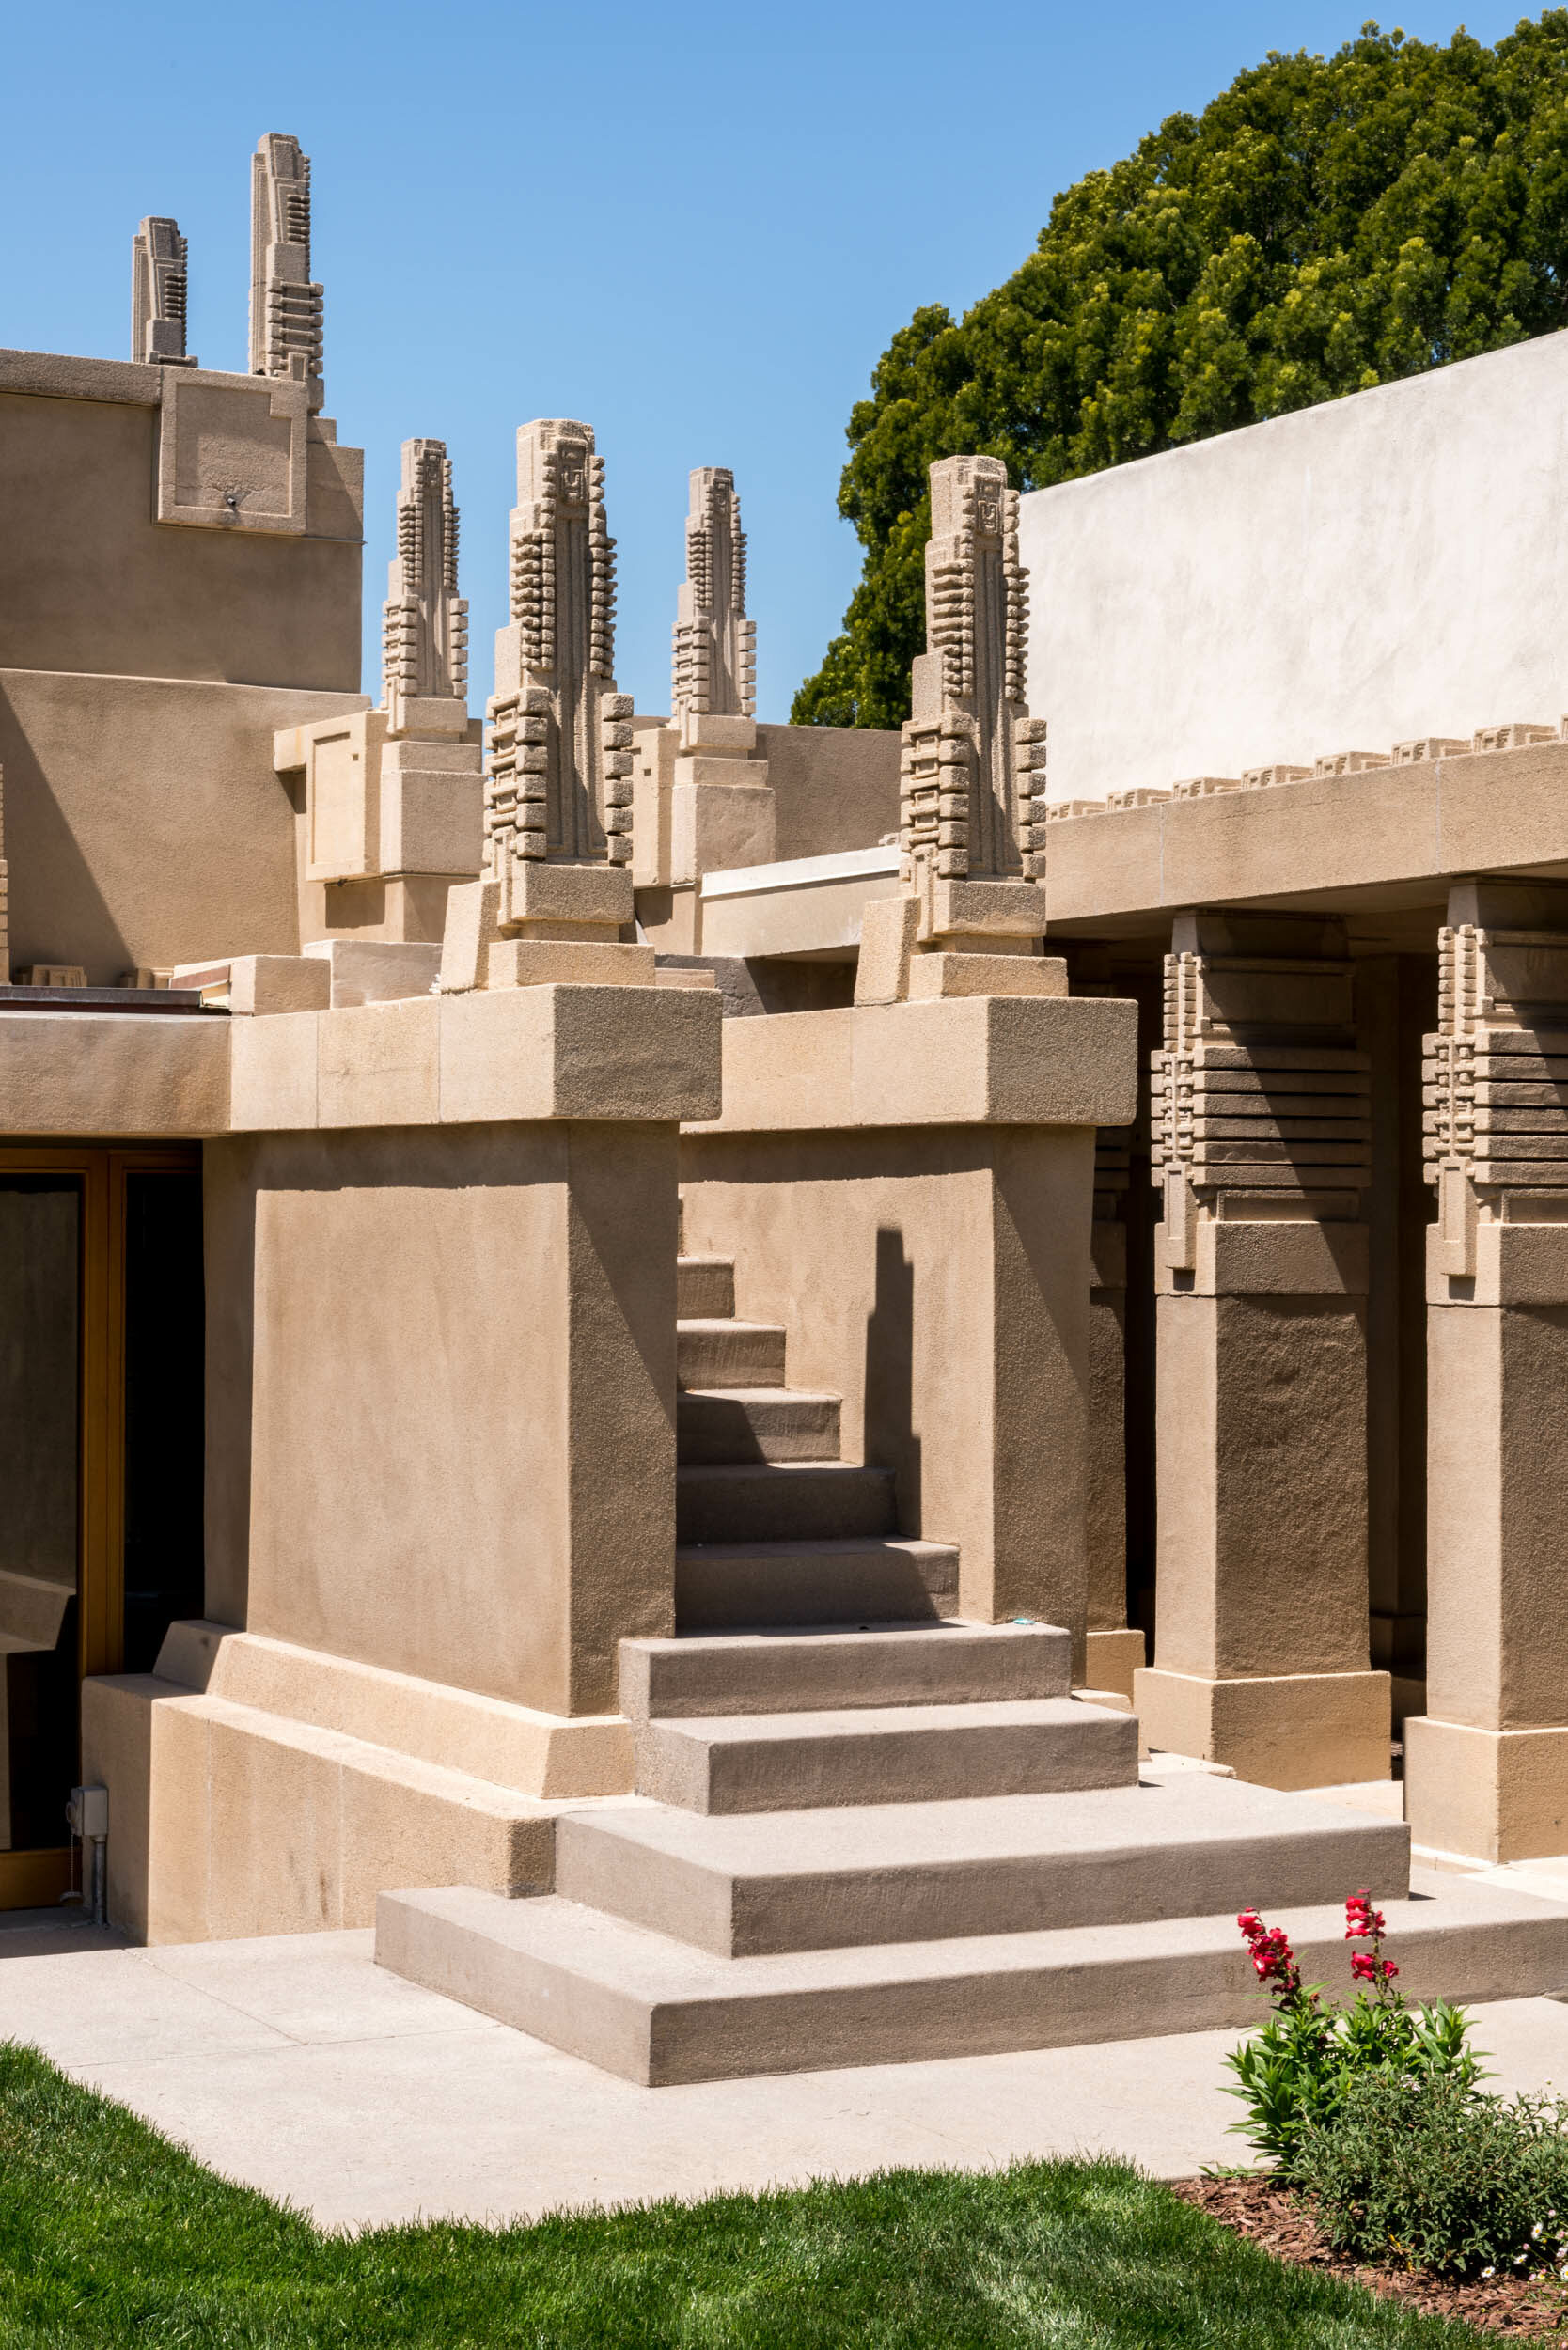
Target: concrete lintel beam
pixel 152 1075
pixel 530 1053
pixel 1001 1061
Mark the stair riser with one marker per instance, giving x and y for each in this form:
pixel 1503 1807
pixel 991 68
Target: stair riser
pixel 942 1900
pixel 704 1288
pixel 916 1766
pixel 1058 2007
pixel 711 1428
pixel 1072 2003
pixel 747 1355
pixel 723 1595
pixel 800 1506
pixel 667 1682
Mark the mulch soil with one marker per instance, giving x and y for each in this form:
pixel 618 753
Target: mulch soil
pixel 1520 2307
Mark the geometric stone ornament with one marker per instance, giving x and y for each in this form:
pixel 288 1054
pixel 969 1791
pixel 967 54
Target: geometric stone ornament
pixel 559 779
pixel 158 292
pixel 1495 1074
pixel 1258 1090
pixel 972 770
pixel 714 661
pixel 285 303
pixel 425 622
pixel 555 892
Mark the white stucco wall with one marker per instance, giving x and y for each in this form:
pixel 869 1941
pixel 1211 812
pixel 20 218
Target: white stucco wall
pixel 1390 564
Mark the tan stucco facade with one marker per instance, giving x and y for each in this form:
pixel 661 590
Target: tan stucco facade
pixel 766 1288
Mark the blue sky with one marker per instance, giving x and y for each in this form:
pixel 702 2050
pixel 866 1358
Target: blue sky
pixel 696 226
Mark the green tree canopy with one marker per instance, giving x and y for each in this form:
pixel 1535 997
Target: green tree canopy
pixel 1325 225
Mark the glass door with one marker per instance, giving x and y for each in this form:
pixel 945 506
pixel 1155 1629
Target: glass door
pixel 101 1458
pixel 40 1506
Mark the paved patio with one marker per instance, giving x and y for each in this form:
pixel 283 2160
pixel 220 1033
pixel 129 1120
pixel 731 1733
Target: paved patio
pixel 294 2065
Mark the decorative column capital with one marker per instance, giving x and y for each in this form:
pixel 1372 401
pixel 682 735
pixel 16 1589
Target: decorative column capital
pixel 1258 1090
pixel 1495 1071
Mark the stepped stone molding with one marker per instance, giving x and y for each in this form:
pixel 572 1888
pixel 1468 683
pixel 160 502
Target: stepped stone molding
pixel 425 620
pixel 158 294
pixel 1426 750
pixel 285 331
pixel 558 778
pixel 714 667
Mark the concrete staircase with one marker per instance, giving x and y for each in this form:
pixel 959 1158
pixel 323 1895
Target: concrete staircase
pixel 866 1833
pixel 772 1527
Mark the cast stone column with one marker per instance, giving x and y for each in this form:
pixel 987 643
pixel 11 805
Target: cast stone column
pixel 1262 1147
pixel 1487 1767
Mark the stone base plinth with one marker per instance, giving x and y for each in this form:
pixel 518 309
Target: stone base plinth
pixel 257 1787
pixel 1111 1658
pixel 1295 1729
pixel 1493 1794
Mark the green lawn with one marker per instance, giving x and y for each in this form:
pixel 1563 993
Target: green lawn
pixel 109 2235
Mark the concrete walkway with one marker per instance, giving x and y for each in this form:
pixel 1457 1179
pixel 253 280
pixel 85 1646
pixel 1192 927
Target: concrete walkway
pixel 297 2066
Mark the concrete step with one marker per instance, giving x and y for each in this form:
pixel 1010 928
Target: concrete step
pixel 789 1501
pixel 713 1351
pixel 654 2011
pixel 729 1585
pixel 750 1763
pixel 705 1288
pixel 781 1672
pixel 755 1424
pixel 33 1607
pixel 1177 1844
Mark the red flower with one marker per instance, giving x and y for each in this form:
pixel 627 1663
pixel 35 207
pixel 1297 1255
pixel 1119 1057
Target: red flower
pixel 1362 1918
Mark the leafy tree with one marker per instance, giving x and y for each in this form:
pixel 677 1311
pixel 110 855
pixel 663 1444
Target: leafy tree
pixel 1325 225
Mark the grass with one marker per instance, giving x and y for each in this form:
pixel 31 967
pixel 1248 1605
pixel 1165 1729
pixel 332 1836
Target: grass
pixel 110 2235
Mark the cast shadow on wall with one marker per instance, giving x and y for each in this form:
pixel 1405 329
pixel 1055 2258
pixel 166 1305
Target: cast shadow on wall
pixel 891 1441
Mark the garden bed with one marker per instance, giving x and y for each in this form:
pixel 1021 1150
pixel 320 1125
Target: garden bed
pixel 1269 2215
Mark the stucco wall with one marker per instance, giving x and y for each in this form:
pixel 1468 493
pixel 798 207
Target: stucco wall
pixel 144 823
pixel 834 787
pixel 1390 565
pixel 90 580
